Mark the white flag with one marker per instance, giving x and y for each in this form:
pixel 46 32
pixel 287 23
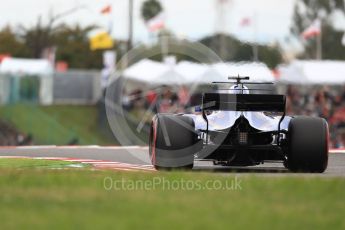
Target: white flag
pixel 343 40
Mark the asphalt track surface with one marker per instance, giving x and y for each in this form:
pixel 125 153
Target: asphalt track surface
pixel 139 156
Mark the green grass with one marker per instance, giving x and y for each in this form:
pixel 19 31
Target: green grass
pixel 76 199
pixel 35 163
pixel 57 124
pixel 22 163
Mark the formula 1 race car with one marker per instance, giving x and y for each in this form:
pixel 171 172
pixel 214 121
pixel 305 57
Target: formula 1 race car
pixel 238 128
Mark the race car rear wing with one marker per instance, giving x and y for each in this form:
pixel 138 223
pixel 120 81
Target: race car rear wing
pixel 244 102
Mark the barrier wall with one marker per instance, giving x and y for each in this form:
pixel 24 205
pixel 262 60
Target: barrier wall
pixel 77 87
pixel 72 87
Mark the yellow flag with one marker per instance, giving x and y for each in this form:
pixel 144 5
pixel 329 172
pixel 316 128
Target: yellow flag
pixel 101 41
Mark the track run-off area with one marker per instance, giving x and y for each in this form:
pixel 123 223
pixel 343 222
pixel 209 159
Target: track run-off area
pixel 136 158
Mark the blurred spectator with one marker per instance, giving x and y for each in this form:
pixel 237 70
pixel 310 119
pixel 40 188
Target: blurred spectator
pixel 168 100
pixel 126 101
pixel 321 102
pixel 184 97
pixel 151 100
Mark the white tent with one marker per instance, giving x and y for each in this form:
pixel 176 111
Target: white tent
pixel 313 72
pixel 23 66
pixel 151 72
pixel 191 71
pixel 19 67
pixel 257 71
pixel 154 73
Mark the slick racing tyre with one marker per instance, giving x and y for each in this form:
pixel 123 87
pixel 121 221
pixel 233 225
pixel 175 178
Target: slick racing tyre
pixel 172 142
pixel 308 145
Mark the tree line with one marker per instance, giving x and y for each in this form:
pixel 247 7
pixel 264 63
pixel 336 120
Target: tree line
pixel 72 46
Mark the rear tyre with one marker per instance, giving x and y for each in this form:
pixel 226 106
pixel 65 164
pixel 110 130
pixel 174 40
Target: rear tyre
pixel 172 142
pixel 308 145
